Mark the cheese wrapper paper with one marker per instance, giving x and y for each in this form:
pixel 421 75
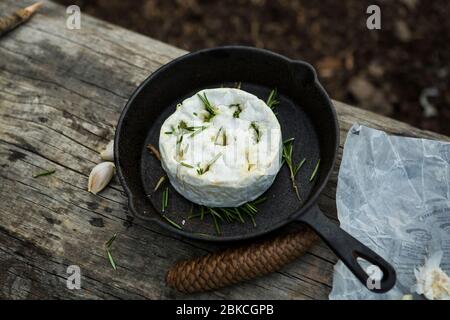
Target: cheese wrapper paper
pixel 393 195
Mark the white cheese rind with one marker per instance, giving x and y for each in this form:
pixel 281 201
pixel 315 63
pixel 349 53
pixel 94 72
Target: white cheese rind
pixel 244 167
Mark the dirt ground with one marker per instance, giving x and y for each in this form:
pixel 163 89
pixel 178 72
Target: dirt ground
pixel 401 70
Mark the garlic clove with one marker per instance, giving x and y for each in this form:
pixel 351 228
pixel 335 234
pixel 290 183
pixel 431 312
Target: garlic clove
pixel 432 281
pixel 108 153
pixel 100 176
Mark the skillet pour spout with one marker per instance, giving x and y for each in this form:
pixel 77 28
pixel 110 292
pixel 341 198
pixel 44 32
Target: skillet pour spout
pixel 305 113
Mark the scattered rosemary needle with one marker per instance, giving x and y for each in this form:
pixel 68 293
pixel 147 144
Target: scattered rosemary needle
pixel 176 225
pixel 160 182
pixel 216 225
pixel 108 245
pixel 111 260
pixel 154 151
pixel 293 169
pixel 313 175
pixel 272 99
pixel 44 173
pixel 165 199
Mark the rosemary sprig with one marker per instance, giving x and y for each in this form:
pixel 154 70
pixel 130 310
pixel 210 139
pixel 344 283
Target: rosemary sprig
pixel 209 108
pixel 201 170
pixel 293 169
pixel 165 199
pixel 230 215
pixel 238 111
pixel 159 183
pixel 44 173
pixel 108 245
pixel 255 127
pixel 313 175
pixel 272 99
pixel 176 225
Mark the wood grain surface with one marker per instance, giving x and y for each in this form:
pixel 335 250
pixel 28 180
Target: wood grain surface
pixel 61 93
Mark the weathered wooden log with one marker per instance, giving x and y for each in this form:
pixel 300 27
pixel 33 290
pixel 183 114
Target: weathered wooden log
pixel 61 93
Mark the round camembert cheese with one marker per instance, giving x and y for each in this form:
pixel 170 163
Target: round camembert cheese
pixel 221 147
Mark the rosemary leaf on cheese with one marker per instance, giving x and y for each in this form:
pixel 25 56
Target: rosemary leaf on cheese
pixel 255 127
pixel 208 106
pixel 238 110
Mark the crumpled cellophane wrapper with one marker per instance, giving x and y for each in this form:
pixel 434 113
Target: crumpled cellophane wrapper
pixel 393 195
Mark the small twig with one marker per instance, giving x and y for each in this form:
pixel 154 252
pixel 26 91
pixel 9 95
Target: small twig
pixel 154 151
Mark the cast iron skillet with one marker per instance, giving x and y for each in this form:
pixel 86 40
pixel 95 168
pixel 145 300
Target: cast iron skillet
pixel 305 112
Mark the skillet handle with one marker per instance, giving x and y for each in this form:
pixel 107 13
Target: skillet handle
pixel 348 249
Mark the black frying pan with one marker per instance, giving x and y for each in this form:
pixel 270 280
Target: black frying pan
pixel 305 113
